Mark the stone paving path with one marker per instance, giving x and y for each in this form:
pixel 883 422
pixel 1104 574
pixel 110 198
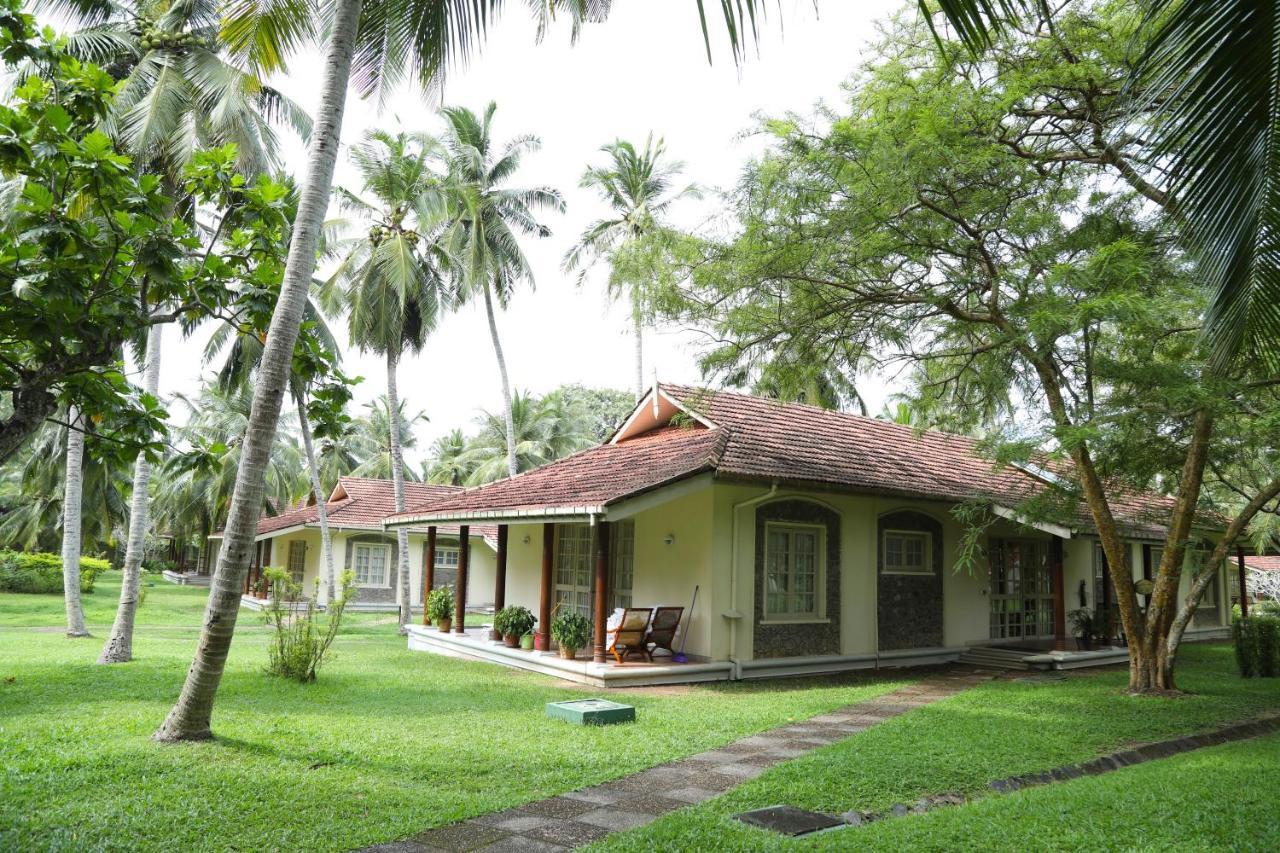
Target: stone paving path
pixel 580 817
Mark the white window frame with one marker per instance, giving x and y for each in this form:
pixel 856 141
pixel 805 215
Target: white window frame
pixel 386 565
pixel 926 569
pixel 820 577
pixel 441 550
pixel 299 547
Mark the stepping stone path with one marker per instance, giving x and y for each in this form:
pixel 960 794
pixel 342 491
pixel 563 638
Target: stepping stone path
pixel 587 815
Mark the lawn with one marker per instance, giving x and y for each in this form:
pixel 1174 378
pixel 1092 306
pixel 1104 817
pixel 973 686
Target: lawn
pixel 1208 799
pixel 388 743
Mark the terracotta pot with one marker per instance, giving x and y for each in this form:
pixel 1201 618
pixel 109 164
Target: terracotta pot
pixel 511 641
pixel 445 625
pixel 567 653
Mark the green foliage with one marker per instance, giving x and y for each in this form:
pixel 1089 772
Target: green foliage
pixel 42 573
pixel 571 630
pixel 299 645
pixel 440 604
pixel 1257 645
pixel 514 621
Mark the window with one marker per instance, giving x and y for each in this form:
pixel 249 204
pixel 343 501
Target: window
pixel 447 558
pixel 297 559
pixel 908 552
pixel 573 568
pixel 793 571
pixel 371 564
pixel 1101 579
pixel 622 561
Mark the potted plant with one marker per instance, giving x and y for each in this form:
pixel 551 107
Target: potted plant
pixel 526 642
pixel 513 622
pixel 440 607
pixel 1082 626
pixel 571 631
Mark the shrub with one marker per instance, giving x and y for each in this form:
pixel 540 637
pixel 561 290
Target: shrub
pixel 301 645
pixel 1257 645
pixel 514 621
pixel 571 630
pixel 39 573
pixel 440 604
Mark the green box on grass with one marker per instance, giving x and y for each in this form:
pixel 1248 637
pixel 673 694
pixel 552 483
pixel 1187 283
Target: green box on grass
pixel 591 712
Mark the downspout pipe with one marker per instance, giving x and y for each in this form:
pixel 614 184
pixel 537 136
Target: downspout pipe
pixel 733 614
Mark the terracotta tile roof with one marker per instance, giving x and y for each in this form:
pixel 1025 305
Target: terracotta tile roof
pixel 1263 564
pixel 362 502
pixel 741 437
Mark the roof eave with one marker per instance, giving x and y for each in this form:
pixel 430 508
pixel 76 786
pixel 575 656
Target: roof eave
pixel 525 516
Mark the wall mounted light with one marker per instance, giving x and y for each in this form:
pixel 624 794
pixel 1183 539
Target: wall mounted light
pixel 670 539
pixel 527 539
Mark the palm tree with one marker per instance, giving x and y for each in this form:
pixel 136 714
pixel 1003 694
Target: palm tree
pixel 119 646
pixel 71 506
pixel 545 430
pixel 486 214
pixel 243 353
pixel 638 187
pixel 371 437
pixel 423 36
pixel 446 462
pixel 389 277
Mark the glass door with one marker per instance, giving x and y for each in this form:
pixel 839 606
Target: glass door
pixel 1021 590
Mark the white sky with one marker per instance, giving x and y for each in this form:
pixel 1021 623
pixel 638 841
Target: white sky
pixel 644 69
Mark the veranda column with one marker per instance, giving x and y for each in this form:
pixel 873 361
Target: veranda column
pixel 428 572
pixel 602 592
pixel 1059 593
pixel 544 588
pixel 460 593
pixel 500 576
pixel 1244 589
pixel 262 567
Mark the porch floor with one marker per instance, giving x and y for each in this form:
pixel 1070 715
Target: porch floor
pixel 476 645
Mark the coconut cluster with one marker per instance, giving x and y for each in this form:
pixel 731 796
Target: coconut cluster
pixel 154 38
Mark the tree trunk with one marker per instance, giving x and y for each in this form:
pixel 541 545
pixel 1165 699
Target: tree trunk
pixel 322 514
pixel 73 489
pixel 638 329
pixel 512 468
pixel 397 484
pixel 119 647
pixel 191 715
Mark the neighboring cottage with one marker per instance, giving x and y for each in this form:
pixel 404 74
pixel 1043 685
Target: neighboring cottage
pixel 817 540
pixel 355 510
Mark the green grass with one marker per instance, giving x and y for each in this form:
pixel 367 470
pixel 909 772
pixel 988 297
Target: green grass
pixel 388 743
pixel 996 730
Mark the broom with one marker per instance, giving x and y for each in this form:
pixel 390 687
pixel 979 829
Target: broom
pixel 680 657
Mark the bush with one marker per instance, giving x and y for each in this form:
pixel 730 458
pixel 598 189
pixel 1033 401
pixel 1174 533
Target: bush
pixel 514 621
pixel 39 573
pixel 440 604
pixel 571 630
pixel 1257 645
pixel 300 645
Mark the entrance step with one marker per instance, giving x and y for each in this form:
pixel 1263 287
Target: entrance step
pixel 994 657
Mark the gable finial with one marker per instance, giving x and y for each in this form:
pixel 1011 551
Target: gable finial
pixel 655 392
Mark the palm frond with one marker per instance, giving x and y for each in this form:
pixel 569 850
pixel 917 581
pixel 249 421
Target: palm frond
pixel 263 33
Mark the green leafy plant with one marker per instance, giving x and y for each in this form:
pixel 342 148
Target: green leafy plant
pixel 301 641
pixel 1084 625
pixel 514 621
pixel 571 630
pixel 1257 645
pixel 440 604
pixel 42 573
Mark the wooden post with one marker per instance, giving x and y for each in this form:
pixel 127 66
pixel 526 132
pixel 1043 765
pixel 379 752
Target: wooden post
pixel 602 592
pixel 428 572
pixel 1244 588
pixel 460 593
pixel 500 576
pixel 544 589
pixel 1059 594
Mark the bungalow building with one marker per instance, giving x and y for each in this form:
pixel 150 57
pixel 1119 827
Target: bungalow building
pixel 355 510
pixel 816 541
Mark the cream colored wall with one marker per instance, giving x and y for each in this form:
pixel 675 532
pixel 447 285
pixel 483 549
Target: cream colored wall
pixel 1079 566
pixel 480 576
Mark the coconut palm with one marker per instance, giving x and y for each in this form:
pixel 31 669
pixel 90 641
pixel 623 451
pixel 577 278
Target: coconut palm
pixel 371 436
pixel 446 462
pixel 638 186
pixel 545 430
pixel 389 277
pixel 393 40
pixel 486 217
pixel 243 352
